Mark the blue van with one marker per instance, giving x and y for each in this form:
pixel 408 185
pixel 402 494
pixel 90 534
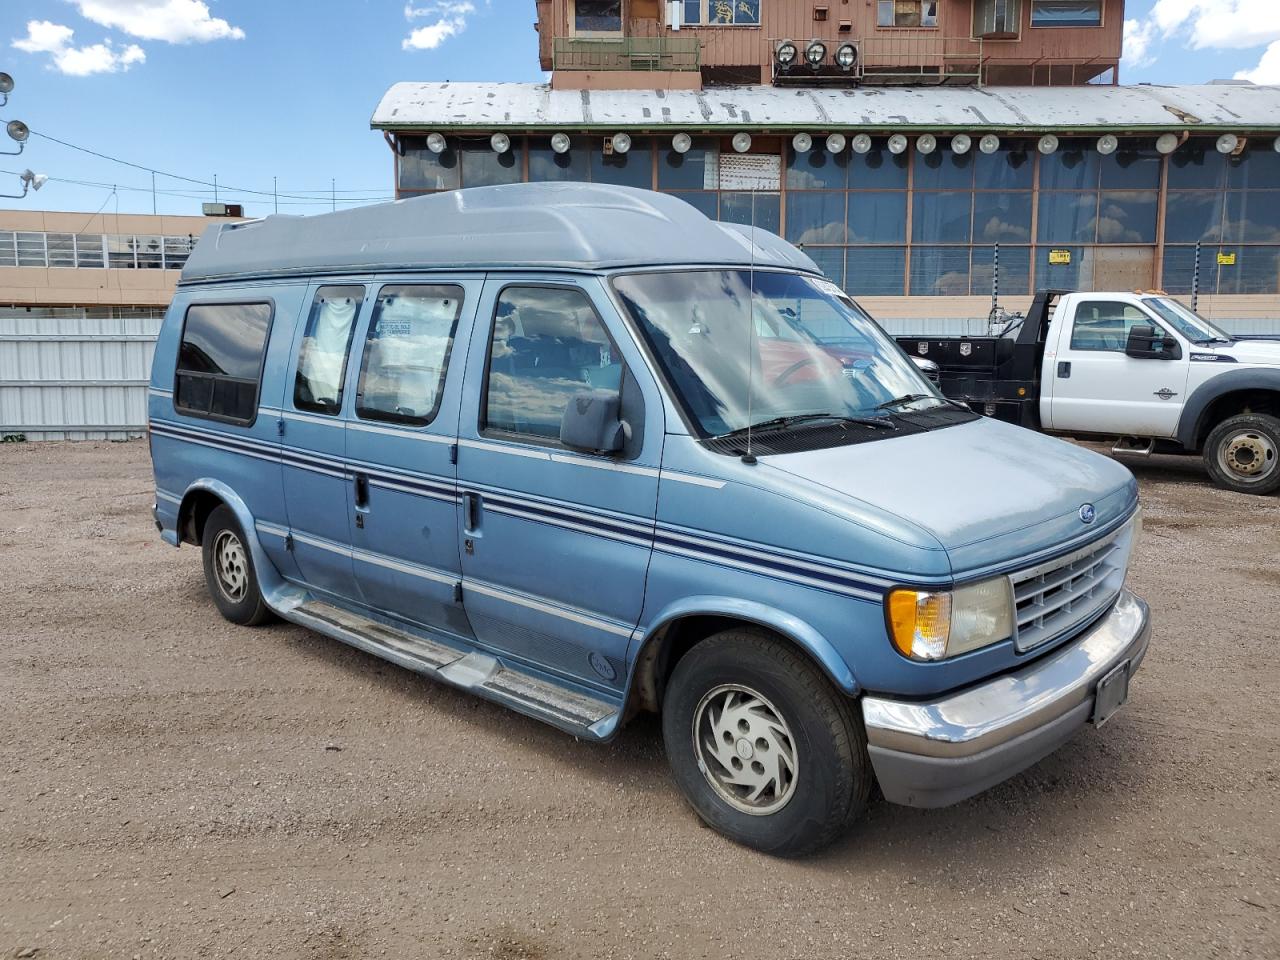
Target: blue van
pixel 587 453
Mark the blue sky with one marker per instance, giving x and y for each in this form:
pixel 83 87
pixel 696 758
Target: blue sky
pixel 254 89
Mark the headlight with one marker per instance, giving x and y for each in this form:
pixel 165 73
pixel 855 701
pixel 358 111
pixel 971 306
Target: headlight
pixel 934 625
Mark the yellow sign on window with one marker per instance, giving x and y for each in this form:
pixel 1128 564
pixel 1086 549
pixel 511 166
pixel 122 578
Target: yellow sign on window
pixel 1226 259
pixel 1057 257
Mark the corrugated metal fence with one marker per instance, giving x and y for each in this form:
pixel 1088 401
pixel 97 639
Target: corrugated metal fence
pixel 86 379
pixel 75 378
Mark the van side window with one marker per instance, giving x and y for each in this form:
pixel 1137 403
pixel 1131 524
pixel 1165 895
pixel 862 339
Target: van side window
pixel 322 360
pixel 548 344
pixel 1103 325
pixel 407 352
pixel 220 360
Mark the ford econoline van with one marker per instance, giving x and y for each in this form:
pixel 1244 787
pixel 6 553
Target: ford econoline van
pixel 586 453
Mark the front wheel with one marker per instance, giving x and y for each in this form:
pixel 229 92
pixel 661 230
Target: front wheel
pixel 1243 453
pixel 229 572
pixel 766 751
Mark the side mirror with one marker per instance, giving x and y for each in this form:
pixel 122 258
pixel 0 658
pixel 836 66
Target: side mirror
pixel 1145 343
pixel 592 422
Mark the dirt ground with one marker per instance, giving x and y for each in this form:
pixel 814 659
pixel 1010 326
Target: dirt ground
pixel 175 786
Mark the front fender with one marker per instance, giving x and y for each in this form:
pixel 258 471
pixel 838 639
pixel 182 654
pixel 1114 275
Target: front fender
pixel 1191 423
pixel 786 624
pixel 273 586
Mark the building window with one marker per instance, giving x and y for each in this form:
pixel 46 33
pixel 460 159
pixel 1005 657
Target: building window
pixel 997 19
pixel 722 13
pixel 1066 13
pixel 597 16
pixel 8 255
pixel 907 13
pixel 407 353
pixel 220 360
pixel 631 169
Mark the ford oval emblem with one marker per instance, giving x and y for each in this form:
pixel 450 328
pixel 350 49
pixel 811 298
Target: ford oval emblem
pixel 1088 514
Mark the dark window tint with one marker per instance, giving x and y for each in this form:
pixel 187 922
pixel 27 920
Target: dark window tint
pixel 696 169
pixel 1252 217
pixel 944 170
pixel 1006 169
pixel 546 164
pixel 407 352
pixel 420 169
pixel 1192 216
pixel 1068 217
pixel 705 200
pixel 817 169
pixel 220 359
pixel 940 271
pixel 878 169
pixel 322 358
pixel 482 166
pixel 941 217
pixel 1197 167
pixel 875 216
pixel 1255 169
pixel 631 169
pixel 1015 270
pixel 548 345
pixel 816 217
pixel 1073 167
pixel 1001 217
pixel 830 261
pixel 1127 218
pixel 1131 170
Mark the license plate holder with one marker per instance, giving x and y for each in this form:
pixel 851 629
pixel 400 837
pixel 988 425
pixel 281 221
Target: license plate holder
pixel 1111 693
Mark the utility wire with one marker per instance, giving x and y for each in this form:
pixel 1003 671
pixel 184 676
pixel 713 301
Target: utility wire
pixel 292 194
pixel 192 194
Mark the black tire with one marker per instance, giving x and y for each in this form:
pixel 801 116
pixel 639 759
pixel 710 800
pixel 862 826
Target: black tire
pixel 235 590
pixel 1241 444
pixel 833 776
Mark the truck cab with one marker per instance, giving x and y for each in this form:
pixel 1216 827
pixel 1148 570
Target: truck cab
pixel 1139 368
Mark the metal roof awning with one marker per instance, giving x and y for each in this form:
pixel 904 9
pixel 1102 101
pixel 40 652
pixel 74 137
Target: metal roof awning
pixel 460 107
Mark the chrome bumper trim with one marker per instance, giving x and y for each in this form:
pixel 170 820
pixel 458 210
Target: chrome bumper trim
pixel 995 712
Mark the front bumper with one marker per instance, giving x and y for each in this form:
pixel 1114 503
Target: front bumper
pixel 935 753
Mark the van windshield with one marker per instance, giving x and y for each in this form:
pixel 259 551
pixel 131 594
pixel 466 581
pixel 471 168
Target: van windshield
pixel 739 351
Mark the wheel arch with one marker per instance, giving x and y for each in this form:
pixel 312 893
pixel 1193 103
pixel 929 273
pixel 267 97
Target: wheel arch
pixel 204 496
pixel 1225 395
pixel 683 624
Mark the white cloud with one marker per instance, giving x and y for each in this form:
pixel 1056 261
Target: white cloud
pixel 1268 68
pixel 55 40
pixel 1219 24
pixel 448 19
pixel 1139 38
pixel 173 21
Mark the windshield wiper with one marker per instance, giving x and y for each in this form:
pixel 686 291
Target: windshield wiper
pixel 879 423
pixel 913 397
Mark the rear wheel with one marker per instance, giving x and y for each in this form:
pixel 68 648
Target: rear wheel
pixel 764 748
pixel 1243 453
pixel 229 572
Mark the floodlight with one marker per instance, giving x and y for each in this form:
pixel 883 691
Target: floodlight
pixel 1228 142
pixel 786 53
pixel 682 143
pixel 897 143
pixel 621 142
pixel 1166 143
pixel 436 143
pixel 815 53
pixel 989 144
pixel 17 130
pixel 846 56
pixel 560 142
pixel 500 142
pixel 862 143
pixel 836 143
pixel 802 143
pixel 1108 144
pixel 742 142
pixel 1048 144
pixel 961 143
pixel 926 143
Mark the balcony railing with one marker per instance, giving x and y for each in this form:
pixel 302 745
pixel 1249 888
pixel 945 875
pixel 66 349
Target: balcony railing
pixel 658 54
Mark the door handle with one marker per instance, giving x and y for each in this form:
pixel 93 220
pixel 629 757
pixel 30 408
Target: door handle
pixel 362 490
pixel 472 507
pixel 1064 369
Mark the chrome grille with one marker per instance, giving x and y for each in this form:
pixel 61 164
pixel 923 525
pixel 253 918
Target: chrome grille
pixel 1056 597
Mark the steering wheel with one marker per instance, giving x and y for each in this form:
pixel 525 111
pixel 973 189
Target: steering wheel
pixel 786 374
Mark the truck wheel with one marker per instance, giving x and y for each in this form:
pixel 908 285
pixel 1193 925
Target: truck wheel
pixel 1243 453
pixel 766 751
pixel 228 570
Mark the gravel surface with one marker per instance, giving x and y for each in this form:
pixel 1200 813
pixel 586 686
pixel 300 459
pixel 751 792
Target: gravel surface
pixel 175 786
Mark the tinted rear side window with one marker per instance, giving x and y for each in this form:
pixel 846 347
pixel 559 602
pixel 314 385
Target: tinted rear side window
pixel 220 360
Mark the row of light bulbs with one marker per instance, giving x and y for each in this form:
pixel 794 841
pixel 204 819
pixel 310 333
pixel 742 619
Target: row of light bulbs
pixel 926 143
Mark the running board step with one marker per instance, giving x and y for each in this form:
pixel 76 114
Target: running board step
pixel 1134 447
pixel 577 713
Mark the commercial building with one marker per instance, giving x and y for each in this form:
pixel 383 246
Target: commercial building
pixel 905 144
pixel 81 300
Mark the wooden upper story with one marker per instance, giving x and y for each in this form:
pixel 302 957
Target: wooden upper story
pixel 624 44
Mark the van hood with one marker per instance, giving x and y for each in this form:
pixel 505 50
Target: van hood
pixel 992 494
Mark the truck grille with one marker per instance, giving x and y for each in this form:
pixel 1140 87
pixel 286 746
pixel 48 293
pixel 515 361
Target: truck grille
pixel 1057 597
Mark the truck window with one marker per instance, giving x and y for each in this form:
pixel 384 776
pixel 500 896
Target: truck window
pixel 548 344
pixel 407 352
pixel 1104 325
pixel 219 366
pixel 322 359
